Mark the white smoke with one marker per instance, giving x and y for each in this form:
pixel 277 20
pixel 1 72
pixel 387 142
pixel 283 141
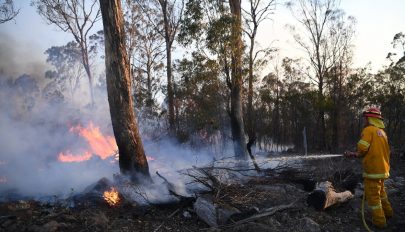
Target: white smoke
pixel 34 129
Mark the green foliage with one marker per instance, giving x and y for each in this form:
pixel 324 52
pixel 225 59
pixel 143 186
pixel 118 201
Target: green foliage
pixel 200 95
pixel 218 33
pixel 67 69
pixel 191 25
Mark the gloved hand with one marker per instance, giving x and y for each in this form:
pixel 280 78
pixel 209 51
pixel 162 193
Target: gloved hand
pixel 351 154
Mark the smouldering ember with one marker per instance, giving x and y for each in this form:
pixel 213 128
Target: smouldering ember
pixel 101 145
pixel 111 197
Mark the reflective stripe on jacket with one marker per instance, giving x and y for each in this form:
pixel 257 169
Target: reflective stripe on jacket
pixel 374 148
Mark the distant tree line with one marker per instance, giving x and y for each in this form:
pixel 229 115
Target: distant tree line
pixel 218 89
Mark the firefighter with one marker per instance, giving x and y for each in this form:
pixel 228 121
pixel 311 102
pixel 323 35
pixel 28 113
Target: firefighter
pixel 373 147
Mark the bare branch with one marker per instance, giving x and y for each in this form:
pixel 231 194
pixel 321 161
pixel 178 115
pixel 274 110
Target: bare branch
pixel 7 11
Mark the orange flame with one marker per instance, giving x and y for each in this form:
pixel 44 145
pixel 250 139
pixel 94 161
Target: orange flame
pixel 69 157
pixel 111 197
pixel 101 145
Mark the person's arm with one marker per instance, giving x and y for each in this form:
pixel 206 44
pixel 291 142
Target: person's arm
pixel 364 143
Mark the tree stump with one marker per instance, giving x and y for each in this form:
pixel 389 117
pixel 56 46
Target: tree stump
pixel 325 196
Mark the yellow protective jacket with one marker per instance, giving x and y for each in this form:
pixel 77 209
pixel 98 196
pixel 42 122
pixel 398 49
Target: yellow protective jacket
pixel 374 148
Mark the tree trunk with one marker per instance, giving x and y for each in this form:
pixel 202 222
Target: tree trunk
pixel 132 159
pixel 321 117
pixel 149 85
pixel 168 41
pixel 325 196
pixel 86 64
pixel 238 132
pixel 250 120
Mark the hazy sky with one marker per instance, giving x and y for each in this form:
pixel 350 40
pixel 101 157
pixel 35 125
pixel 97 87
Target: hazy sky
pixel 377 21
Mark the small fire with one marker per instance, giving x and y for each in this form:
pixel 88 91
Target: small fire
pixel 111 197
pixel 101 145
pixel 69 157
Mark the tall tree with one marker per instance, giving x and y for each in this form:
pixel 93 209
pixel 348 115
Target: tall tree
pixel 132 159
pixel 315 17
pixel 67 70
pixel 171 13
pixel 147 53
pixel 238 132
pixel 341 34
pixel 76 17
pixel 259 10
pixel 7 11
pixel 171 22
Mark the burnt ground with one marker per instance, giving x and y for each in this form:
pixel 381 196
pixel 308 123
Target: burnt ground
pixel 251 198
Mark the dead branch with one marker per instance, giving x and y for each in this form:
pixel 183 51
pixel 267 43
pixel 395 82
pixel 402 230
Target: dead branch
pixel 183 200
pixel 264 213
pixel 169 185
pixel 168 217
pixel 267 212
pixel 214 180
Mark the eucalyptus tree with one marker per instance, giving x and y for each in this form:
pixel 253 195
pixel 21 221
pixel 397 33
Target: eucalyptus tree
pixel 67 69
pixel 7 11
pixel 316 20
pixel 257 12
pixel 76 17
pixel 215 27
pixel 170 13
pixel 237 126
pixel 389 93
pixel 132 159
pixel 341 33
pixel 146 50
pixel 200 100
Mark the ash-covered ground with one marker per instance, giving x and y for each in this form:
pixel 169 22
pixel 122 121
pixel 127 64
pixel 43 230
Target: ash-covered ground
pixel 284 190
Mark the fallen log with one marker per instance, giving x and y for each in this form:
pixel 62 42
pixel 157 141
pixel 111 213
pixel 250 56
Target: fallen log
pixel 325 196
pixel 212 213
pixel 267 212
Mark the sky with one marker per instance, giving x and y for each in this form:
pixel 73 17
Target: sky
pixel 377 23
pixel 27 37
